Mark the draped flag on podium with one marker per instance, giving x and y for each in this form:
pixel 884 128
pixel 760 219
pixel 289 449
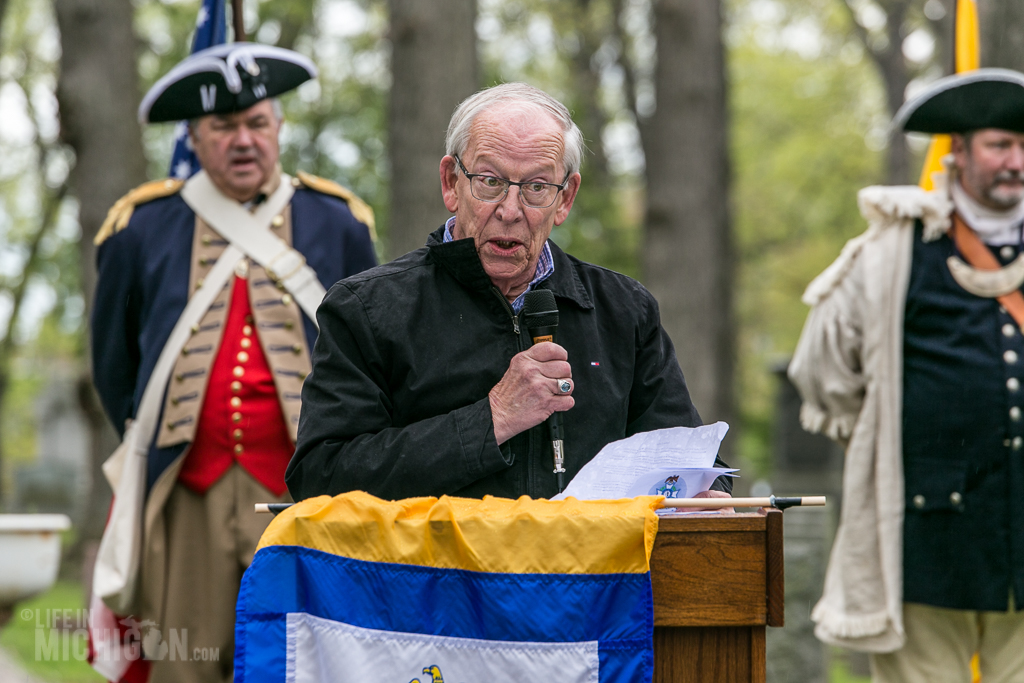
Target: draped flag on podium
pixel 355 589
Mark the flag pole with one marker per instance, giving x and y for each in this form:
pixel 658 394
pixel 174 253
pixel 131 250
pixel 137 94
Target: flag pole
pixel 777 502
pixel 238 20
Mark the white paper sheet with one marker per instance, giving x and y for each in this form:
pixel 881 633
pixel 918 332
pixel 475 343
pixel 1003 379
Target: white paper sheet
pixel 645 460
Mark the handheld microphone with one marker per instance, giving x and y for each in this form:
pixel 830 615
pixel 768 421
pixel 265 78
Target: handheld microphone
pixel 540 312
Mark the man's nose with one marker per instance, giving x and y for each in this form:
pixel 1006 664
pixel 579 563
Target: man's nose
pixel 1015 160
pixel 510 206
pixel 243 137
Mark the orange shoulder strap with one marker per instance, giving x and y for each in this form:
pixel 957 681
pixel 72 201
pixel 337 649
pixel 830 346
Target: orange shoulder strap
pixel 978 255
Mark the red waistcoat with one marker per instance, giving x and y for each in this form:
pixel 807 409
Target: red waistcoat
pixel 241 420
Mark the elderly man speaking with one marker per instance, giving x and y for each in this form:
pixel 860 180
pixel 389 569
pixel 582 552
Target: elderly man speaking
pixel 425 380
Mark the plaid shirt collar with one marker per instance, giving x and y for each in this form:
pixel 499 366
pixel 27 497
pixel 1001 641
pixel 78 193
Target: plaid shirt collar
pixel 545 266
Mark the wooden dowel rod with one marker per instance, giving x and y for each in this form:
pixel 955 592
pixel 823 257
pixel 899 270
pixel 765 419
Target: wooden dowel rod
pixel 707 503
pixel 766 502
pixel 272 507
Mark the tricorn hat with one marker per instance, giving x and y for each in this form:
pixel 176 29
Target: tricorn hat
pixel 224 79
pixel 984 98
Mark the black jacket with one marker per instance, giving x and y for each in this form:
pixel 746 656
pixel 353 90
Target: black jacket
pixel 397 402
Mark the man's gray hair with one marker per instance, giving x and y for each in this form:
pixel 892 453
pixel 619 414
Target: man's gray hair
pixel 515 93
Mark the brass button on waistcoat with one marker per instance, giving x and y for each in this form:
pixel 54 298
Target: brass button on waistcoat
pixel 1013 384
pixel 1015 414
pixel 238 371
pixel 247 331
pixel 246 343
pixel 243 357
pixel 239 449
pixel 919 501
pixel 237 434
pixel 236 417
pixel 1010 357
pixel 955 498
pixel 1009 330
pixel 236 402
pixel 236 387
pixel 1006 252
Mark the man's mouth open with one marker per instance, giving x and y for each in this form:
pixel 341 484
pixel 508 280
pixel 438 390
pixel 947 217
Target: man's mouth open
pixel 506 246
pixel 243 163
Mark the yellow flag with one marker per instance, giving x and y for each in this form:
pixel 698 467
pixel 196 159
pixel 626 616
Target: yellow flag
pixel 967 57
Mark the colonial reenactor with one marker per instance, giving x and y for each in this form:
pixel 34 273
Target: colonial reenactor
pixel 228 395
pixel 913 357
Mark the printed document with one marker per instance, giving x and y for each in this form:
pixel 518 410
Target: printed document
pixel 677 462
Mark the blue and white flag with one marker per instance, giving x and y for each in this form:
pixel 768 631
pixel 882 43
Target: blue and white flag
pixel 355 589
pixel 211 29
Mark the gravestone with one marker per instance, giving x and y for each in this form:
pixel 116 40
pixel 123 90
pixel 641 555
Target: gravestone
pixel 58 480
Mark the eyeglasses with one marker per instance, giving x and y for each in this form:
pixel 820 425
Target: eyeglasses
pixel 489 188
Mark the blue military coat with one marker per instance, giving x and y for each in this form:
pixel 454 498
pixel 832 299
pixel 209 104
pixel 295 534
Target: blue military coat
pixel 963 439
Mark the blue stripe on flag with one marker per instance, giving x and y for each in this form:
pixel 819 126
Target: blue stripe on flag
pixel 614 609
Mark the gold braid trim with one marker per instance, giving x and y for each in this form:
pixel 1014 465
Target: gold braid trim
pixel 121 212
pixel 360 209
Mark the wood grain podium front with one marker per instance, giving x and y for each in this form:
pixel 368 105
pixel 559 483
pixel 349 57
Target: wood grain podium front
pixel 717 581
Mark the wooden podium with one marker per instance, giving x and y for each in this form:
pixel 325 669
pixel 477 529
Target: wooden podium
pixel 718 581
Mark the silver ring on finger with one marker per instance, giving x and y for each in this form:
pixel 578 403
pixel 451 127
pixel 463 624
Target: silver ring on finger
pixel 564 386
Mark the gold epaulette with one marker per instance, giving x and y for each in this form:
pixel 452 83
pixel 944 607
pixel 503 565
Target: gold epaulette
pixel 360 209
pixel 121 212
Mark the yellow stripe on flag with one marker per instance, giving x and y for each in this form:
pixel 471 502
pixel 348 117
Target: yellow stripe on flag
pixel 967 57
pixel 968 54
pixel 489 535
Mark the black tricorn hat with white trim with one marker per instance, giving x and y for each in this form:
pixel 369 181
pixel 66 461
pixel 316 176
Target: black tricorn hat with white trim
pixel 984 98
pixel 224 79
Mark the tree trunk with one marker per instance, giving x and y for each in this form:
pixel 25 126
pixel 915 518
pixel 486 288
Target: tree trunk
pixel 895 77
pixel 586 82
pixel 433 68
pixel 97 92
pixel 3 12
pixel 1002 33
pixel 687 251
pixel 892 67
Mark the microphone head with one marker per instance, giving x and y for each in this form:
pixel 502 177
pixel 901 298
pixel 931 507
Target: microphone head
pixel 540 309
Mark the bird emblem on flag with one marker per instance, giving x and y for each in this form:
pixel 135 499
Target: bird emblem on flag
pixel 435 674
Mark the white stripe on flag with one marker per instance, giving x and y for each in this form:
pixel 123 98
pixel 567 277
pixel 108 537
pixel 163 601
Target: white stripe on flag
pixel 324 650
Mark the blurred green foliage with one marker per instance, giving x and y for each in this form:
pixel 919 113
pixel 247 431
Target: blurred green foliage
pixel 799 157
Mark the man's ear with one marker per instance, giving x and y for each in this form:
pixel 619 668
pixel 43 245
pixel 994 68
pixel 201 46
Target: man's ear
pixel 449 176
pixel 566 197
pixel 960 150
